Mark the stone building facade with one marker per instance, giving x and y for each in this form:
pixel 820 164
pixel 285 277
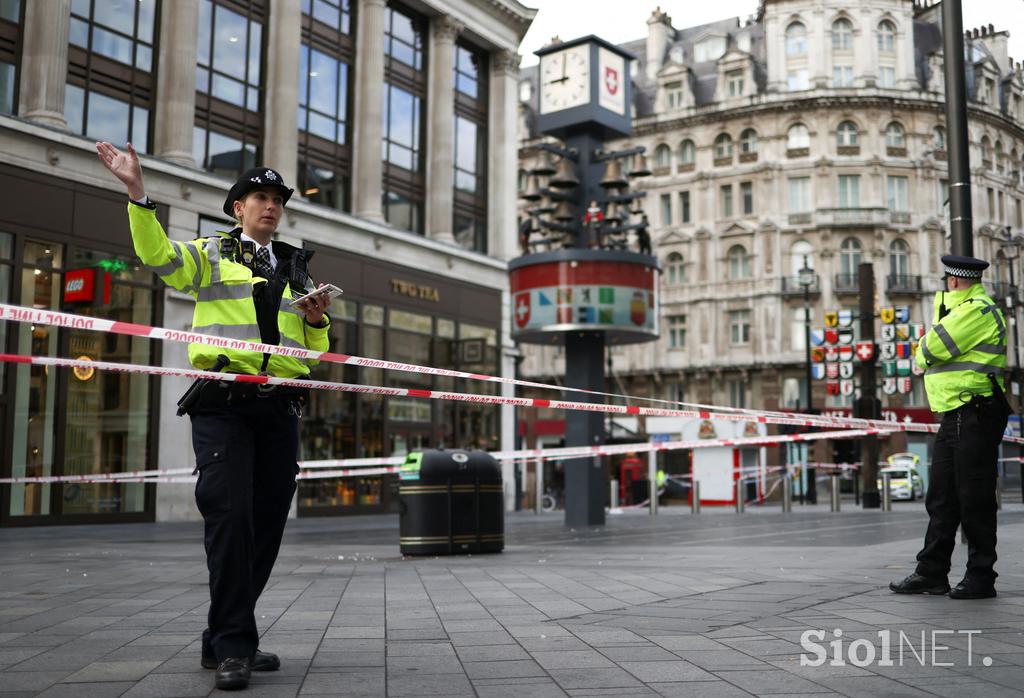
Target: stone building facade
pixel 393 122
pixel 813 132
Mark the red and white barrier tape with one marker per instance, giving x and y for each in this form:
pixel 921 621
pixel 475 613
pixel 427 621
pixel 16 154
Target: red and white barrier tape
pixel 321 469
pixel 20 314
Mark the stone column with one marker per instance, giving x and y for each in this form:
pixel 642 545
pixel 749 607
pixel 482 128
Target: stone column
pixel 441 127
pixel 176 82
pixel 281 137
pixel 367 167
pixel 502 155
pixel 44 62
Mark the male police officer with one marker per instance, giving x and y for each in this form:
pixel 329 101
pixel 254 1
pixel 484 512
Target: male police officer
pixel 245 436
pixel 962 359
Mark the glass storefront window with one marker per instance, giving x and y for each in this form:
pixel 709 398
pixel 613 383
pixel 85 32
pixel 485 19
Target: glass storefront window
pixel 6 253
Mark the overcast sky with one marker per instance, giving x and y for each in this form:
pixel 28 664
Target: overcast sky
pixel 623 20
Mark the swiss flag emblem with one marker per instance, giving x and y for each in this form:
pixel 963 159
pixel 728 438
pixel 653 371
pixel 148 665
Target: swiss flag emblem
pixel 611 80
pixel 522 309
pixel 865 351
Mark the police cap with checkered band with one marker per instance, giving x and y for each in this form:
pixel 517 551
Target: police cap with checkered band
pixel 255 178
pixel 963 267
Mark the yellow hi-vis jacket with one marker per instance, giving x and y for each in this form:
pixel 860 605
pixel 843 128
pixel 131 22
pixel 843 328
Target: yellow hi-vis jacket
pixel 223 290
pixel 962 348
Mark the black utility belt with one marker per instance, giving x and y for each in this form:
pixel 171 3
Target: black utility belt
pixel 227 393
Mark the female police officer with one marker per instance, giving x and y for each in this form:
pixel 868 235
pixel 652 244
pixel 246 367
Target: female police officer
pixel 245 437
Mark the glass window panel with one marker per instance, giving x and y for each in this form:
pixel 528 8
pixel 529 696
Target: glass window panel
pixel 304 77
pixel 373 315
pixel 323 81
pixel 74 108
pixel 143 57
pixel 199 146
pixel 322 126
pixel 147 19
pixel 255 44
pixel 78 33
pixel 465 181
pixel 202 79
pixel 402 27
pixel 326 13
pixel 7 76
pixel 116 14
pixel 80 7
pixel 107 119
pixel 111 45
pixel 252 99
pixel 225 154
pixel 410 322
pixel 229 43
pixel 203 27
pixel 6 252
pixel 399 211
pixel 140 129
pixel 342 99
pixel 228 90
pixel 10 10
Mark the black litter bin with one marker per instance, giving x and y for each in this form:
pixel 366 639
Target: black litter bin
pixel 451 502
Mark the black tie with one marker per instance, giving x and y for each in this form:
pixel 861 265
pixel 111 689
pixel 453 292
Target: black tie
pixel 263 265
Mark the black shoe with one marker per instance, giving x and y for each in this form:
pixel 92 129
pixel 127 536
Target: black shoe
pixel 233 674
pixel 917 584
pixel 263 661
pixel 973 589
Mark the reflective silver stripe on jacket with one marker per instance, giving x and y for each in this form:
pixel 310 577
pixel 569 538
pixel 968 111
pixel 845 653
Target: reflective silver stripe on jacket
pixel 231 331
pixel 167 269
pixel 289 342
pixel 931 358
pixel 286 307
pixel 213 254
pixel 225 292
pixel 964 366
pixel 954 350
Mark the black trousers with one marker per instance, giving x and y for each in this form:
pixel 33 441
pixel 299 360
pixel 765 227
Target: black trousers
pixel 246 456
pixel 962 490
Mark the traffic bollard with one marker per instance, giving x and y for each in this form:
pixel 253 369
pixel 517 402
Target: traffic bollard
pixel 834 493
pixel 652 481
pixel 613 494
pixel 886 492
pixel 787 494
pixel 695 497
pixel 740 496
pixel 539 471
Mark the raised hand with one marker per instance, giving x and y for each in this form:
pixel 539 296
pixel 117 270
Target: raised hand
pixel 124 166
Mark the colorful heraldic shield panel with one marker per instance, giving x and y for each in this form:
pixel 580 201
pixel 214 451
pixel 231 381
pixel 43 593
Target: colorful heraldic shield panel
pixel 616 297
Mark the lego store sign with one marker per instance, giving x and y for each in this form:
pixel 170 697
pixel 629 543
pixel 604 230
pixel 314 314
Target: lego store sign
pixel 86 286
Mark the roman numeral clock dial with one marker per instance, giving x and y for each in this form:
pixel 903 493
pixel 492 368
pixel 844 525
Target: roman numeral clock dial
pixel 565 79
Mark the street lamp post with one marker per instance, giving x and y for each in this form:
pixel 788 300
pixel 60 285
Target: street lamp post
pixel 1012 251
pixel 806 278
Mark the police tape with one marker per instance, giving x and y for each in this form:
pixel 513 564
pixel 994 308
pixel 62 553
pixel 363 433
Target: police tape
pixel 354 467
pixel 21 314
pixel 462 397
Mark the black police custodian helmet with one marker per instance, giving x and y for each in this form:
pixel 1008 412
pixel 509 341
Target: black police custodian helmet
pixel 255 178
pixel 963 267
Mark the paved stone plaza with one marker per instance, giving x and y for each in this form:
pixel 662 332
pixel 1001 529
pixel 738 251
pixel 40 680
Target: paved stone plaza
pixel 708 605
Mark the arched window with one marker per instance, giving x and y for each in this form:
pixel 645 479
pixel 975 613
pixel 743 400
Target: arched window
pixel 842 35
pixel 886 37
pixel 939 138
pixel 798 137
pixel 675 272
pixel 738 262
pixel 849 259
pixel 663 157
pixel 723 146
pixel 800 253
pixel 525 91
pixel 846 134
pixel 986 152
pixel 1002 267
pixel 899 259
pixel 999 156
pixel 748 141
pixel 796 39
pixel 894 137
pixel 687 152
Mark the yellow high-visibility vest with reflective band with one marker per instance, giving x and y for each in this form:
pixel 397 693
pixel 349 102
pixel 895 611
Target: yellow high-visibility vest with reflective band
pixel 962 348
pixel 224 302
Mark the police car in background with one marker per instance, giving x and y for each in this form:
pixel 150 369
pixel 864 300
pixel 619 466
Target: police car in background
pixel 904 480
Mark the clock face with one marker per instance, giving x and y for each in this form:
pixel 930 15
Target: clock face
pixel 564 79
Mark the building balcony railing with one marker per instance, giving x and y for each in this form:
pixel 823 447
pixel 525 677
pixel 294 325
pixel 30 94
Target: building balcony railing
pixel 901 217
pixel 791 286
pixel 800 218
pixel 853 216
pixel 906 284
pixel 846 283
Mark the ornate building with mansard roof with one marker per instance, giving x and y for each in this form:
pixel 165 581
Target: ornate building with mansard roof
pixel 810 133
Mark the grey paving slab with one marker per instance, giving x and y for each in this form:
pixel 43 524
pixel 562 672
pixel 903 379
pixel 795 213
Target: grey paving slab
pixel 677 605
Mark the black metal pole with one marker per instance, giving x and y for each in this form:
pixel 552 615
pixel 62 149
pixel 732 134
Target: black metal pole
pixel 812 473
pixel 960 216
pixel 868 405
pixel 1011 305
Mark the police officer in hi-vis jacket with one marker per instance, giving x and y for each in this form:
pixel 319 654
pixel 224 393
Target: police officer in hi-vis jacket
pixel 962 358
pixel 245 436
